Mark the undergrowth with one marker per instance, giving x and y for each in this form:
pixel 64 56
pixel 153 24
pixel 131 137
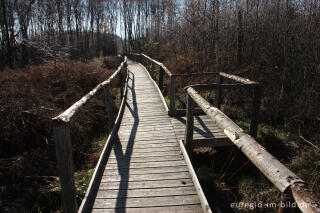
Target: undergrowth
pixel 29 98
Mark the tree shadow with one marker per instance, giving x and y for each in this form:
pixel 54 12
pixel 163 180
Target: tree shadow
pixel 205 131
pixel 123 157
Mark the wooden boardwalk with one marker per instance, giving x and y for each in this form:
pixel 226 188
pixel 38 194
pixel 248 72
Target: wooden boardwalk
pixel 146 171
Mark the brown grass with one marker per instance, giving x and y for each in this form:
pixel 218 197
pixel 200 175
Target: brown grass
pixel 29 98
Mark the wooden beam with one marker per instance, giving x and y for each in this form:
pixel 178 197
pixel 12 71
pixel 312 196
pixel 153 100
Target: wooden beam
pixel 161 71
pixel 203 200
pixel 172 96
pixel 61 135
pixel 255 112
pixel 217 99
pixel 158 63
pixel 221 86
pixel 237 78
pixel 188 135
pixel 109 106
pixel 272 168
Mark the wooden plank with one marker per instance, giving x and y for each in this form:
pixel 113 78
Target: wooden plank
pixel 145 164
pixel 172 209
pixel 146 202
pixel 143 141
pixel 152 149
pixel 150 145
pixel 168 134
pixel 146 123
pixel 140 137
pixel 149 149
pixel 188 133
pixel 172 95
pixel 146 128
pixel 137 193
pixel 146 184
pixel 153 170
pixel 146 177
pixel 148 154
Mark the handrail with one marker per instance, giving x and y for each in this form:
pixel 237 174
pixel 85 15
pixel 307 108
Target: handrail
pixel 273 169
pixel 61 135
pixel 237 78
pixel 158 63
pixel 67 114
pixel 218 86
pixel 196 74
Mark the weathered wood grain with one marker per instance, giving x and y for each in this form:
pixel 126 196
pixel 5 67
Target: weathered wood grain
pixel 141 171
pixel 145 168
pixel 172 209
pixel 136 193
pixel 147 202
pixel 150 184
pixel 273 169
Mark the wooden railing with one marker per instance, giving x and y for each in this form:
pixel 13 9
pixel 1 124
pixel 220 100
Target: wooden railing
pixel 291 186
pixel 61 134
pixel 218 86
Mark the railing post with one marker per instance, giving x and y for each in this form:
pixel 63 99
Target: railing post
pixel 218 92
pixel 188 135
pixel 151 70
pixel 161 71
pixel 109 106
pixel 172 110
pixel 121 82
pixel 255 111
pixel 61 135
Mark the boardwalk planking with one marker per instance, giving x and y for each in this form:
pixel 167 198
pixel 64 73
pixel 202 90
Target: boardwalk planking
pixel 146 171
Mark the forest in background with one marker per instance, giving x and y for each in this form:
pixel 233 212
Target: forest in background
pixel 275 42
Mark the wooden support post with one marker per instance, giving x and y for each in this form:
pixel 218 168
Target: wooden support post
pixel 140 59
pixel 151 69
pixel 161 71
pixel 172 107
pixel 188 135
pixel 218 92
pixel 255 111
pixel 109 106
pixel 61 135
pixel 121 79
